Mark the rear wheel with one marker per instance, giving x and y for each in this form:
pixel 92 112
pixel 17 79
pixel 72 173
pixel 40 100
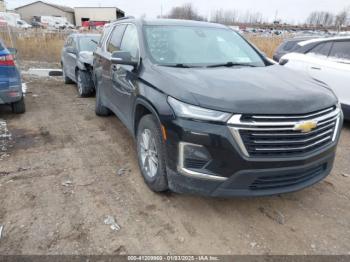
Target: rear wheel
pixel 19 107
pixel 100 109
pixel 151 154
pixel 84 83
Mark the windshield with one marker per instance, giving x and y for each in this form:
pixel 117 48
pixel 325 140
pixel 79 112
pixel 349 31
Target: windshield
pixel 201 46
pixel 88 43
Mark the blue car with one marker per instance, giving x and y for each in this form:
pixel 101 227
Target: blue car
pixel 10 81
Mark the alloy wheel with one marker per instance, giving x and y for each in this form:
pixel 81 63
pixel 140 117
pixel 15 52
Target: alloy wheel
pixel 148 153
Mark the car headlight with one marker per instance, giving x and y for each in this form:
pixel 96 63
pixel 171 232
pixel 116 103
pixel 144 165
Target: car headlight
pixel 198 113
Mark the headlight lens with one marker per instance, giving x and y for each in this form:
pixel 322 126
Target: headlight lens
pixel 194 112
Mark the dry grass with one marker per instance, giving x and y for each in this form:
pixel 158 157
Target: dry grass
pixel 46 47
pixel 36 46
pixel 266 44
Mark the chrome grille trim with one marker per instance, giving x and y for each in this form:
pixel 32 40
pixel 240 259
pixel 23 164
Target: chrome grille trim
pixel 294 141
pixel 292 117
pixel 268 136
pixel 236 120
pixel 294 148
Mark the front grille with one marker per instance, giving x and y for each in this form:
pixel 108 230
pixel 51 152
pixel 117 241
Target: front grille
pixel 287 180
pixel 276 135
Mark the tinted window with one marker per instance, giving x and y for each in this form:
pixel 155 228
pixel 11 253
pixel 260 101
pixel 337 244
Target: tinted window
pixel 341 50
pixel 116 36
pixel 88 43
pixel 130 42
pixel 290 45
pixel 322 49
pixel 202 46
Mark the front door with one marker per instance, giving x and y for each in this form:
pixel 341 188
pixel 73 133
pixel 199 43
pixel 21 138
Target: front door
pixel 124 77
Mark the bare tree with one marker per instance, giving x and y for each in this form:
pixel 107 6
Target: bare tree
pixel 186 11
pixel 228 17
pixel 320 19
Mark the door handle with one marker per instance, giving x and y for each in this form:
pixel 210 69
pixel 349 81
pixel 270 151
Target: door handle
pixel 316 68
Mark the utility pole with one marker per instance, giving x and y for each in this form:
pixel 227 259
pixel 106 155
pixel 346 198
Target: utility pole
pixel 161 9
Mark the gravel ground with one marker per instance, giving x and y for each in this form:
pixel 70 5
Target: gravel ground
pixel 61 182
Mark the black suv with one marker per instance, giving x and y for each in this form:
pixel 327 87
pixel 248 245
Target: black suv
pixel 210 114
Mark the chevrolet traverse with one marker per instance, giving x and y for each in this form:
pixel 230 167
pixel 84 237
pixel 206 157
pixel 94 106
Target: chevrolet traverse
pixel 210 114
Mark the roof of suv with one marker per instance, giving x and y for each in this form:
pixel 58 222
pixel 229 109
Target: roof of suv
pixel 171 22
pixel 319 40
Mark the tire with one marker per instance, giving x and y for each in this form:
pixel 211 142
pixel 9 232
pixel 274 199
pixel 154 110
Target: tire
pixel 19 107
pixel 153 154
pixel 84 83
pixel 100 109
pixel 67 80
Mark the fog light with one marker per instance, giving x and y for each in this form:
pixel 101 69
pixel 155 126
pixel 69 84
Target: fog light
pixel 194 156
pixel 193 160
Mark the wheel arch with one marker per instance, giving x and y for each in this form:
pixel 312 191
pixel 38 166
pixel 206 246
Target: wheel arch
pixel 143 107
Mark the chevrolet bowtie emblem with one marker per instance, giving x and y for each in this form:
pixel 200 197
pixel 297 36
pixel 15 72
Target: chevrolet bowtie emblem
pixel 305 126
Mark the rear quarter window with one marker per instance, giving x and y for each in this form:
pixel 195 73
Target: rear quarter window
pixel 321 49
pixel 341 50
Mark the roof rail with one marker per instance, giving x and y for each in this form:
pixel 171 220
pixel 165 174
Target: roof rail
pixel 125 17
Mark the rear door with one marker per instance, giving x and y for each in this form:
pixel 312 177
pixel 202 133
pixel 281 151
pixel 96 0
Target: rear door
pixel 336 70
pixel 72 58
pixel 68 58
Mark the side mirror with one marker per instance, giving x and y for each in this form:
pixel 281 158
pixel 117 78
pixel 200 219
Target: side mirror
pixel 123 58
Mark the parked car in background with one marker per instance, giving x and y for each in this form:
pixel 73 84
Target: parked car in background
pixel 77 61
pixel 289 46
pixel 210 114
pixel 23 24
pixel 10 81
pixel 327 60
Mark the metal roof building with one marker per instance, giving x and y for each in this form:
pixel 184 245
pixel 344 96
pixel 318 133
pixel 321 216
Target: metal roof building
pixel 40 8
pixel 97 14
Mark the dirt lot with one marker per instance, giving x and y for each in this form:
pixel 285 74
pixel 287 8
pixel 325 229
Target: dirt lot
pixel 60 180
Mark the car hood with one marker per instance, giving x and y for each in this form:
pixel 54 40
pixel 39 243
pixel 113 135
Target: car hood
pixel 86 57
pixel 250 90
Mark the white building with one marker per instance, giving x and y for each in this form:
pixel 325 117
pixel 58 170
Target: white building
pixel 2 6
pixel 97 14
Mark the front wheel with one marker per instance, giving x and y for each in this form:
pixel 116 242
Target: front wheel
pixel 84 83
pixel 151 154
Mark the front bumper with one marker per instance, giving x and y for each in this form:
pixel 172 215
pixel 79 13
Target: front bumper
pixel 240 175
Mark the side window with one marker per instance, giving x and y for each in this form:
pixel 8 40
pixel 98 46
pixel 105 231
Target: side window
pixel 68 42
pixel 322 49
pixel 341 50
pixel 74 43
pixel 115 39
pixel 130 42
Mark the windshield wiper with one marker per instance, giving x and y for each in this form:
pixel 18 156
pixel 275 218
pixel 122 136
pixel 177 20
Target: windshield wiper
pixel 231 64
pixel 178 65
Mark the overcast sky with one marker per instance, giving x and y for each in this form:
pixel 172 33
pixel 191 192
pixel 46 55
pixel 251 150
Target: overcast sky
pixel 288 10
